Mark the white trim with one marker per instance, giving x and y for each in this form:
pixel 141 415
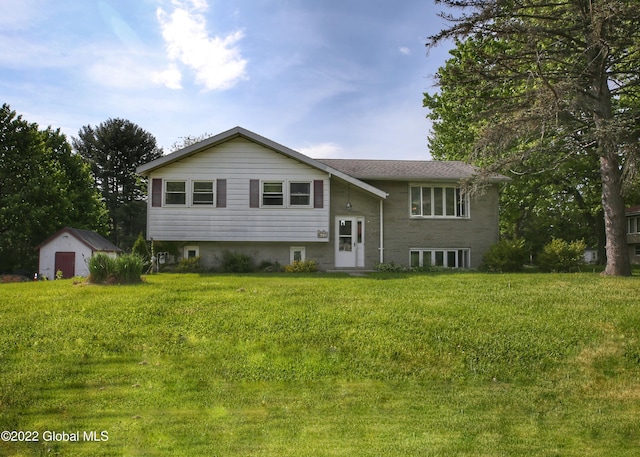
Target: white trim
pixel 293 250
pixel 432 251
pixel 186 249
pixel 456 189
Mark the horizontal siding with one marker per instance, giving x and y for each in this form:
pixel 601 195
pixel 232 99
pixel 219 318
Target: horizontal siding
pixel 238 161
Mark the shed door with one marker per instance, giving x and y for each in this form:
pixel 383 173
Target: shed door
pixel 66 263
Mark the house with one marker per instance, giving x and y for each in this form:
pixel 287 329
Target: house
pixel 69 251
pixel 241 192
pixel 633 233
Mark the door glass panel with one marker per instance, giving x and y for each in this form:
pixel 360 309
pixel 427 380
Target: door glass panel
pixel 359 232
pixel 345 235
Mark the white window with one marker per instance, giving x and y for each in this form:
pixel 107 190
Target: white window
pixel 299 193
pixel 297 254
pixel 633 224
pixel 175 193
pixel 436 201
pixel 202 193
pixel 191 252
pixel 449 258
pixel 272 193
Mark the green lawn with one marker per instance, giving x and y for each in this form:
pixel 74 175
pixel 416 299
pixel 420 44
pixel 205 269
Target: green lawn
pixel 461 364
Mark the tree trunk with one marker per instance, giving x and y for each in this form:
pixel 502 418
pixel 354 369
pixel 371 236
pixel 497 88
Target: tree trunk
pixel 618 263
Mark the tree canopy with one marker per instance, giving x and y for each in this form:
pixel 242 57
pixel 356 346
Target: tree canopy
pixel 548 88
pixel 43 188
pixel 114 149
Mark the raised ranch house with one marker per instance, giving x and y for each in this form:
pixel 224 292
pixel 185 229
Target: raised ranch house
pixel 69 251
pixel 633 233
pixel 241 192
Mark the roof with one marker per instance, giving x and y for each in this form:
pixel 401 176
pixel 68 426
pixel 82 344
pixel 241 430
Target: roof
pixel 239 132
pixel 93 240
pixel 408 170
pixel 633 210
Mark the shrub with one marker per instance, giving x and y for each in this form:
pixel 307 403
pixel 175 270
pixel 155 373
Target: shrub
pixel 233 262
pixel 390 268
pixel 562 256
pixel 298 266
pixel 129 268
pixel 505 256
pixel 140 247
pixel 188 265
pixel 126 268
pixel 101 267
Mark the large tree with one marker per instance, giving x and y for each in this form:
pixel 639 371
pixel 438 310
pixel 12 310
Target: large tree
pixel 553 74
pixel 547 197
pixel 43 187
pixel 115 149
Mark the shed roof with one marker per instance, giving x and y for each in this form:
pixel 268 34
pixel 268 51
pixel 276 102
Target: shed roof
pixel 93 240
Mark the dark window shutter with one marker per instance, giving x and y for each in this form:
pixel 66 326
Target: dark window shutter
pixel 318 193
pixel 156 192
pixel 254 193
pixel 221 193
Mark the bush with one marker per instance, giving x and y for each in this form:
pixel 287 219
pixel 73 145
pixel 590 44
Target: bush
pixel 562 256
pixel 101 267
pixel 233 262
pixel 126 268
pixel 129 268
pixel 188 265
pixel 307 266
pixel 505 256
pixel 390 268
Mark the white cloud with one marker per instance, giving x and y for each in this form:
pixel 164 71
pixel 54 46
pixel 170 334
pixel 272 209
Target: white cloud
pixel 404 50
pixel 322 151
pixel 170 78
pixel 216 61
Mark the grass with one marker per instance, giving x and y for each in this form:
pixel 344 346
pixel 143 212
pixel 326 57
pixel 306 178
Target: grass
pixel 320 365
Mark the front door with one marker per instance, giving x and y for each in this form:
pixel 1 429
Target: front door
pixel 66 263
pixel 349 242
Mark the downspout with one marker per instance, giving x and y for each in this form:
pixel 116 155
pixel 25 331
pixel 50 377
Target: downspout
pixel 381 231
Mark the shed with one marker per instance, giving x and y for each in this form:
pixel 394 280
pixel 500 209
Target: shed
pixel 69 251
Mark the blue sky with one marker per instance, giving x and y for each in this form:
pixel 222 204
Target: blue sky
pixel 330 78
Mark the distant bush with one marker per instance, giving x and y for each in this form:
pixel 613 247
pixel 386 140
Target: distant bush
pixel 190 265
pixel 390 268
pixel 298 266
pixel 234 262
pixel 126 268
pixel 505 256
pixel 562 256
pixel 101 267
pixel 129 268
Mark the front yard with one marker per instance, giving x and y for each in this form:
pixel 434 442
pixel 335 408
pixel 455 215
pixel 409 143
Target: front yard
pixel 323 365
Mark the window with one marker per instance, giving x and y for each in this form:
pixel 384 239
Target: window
pixel 175 193
pixel 297 254
pixel 272 193
pixel 637 249
pixel 633 224
pixel 299 193
pixel 191 252
pixel 429 201
pixel 448 258
pixel 202 193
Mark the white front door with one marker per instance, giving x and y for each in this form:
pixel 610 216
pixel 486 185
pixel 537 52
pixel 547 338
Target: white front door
pixel 349 242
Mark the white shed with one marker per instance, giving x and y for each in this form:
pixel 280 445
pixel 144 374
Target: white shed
pixel 69 251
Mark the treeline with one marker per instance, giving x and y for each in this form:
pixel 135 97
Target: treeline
pixel 47 183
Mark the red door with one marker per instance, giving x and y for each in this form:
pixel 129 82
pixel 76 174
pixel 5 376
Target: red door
pixel 66 263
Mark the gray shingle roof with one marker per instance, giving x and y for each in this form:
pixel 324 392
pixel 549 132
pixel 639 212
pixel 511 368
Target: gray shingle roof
pixel 407 170
pixel 93 240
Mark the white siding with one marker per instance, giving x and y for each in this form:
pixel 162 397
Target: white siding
pixel 239 161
